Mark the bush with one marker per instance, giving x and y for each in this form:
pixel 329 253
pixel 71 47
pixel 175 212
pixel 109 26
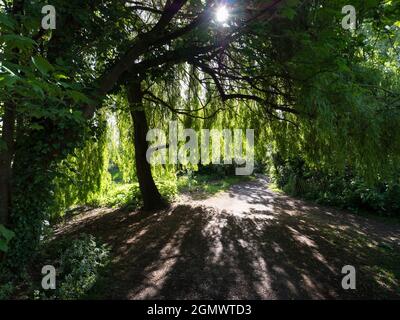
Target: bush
pixel 6 290
pixel 79 266
pixel 346 190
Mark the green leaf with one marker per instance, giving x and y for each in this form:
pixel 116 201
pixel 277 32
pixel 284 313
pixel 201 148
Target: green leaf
pixel 289 13
pixel 3 246
pixel 17 41
pixel 7 21
pixel 78 96
pixel 6 233
pixel 38 87
pixel 42 64
pixel 60 76
pixel 7 80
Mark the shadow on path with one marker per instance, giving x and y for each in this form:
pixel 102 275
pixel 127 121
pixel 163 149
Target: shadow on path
pixel 247 243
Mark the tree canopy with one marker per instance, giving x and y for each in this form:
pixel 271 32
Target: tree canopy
pixel 82 96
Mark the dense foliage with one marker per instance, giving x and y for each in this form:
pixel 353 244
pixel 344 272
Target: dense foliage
pixel 79 264
pixel 311 89
pixel 341 189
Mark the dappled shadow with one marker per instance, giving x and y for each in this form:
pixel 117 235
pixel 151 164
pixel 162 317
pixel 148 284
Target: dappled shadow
pixel 249 243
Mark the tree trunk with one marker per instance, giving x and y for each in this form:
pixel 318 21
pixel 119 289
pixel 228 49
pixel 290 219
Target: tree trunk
pixel 152 199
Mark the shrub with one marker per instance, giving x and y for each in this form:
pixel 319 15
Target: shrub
pixel 346 190
pixel 6 290
pixel 79 265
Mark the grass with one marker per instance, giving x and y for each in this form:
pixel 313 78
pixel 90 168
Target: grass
pixel 128 194
pixel 207 184
pixel 274 187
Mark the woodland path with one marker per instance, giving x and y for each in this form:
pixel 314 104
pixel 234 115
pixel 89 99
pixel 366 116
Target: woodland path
pixel 246 243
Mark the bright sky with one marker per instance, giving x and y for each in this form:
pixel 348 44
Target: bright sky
pixel 222 14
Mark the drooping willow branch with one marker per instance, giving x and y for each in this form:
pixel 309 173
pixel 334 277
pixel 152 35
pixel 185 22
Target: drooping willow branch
pixel 149 96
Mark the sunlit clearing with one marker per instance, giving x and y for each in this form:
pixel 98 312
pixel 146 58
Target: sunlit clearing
pixel 222 14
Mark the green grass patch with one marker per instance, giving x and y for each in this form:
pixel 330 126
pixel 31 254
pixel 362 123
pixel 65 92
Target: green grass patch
pixel 275 188
pixel 128 194
pixel 208 184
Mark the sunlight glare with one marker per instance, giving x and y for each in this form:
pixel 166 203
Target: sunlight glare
pixel 222 14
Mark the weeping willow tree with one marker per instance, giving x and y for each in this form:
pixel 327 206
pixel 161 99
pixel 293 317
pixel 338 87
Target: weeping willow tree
pixel 312 86
pixel 284 67
pixel 83 175
pixel 309 86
